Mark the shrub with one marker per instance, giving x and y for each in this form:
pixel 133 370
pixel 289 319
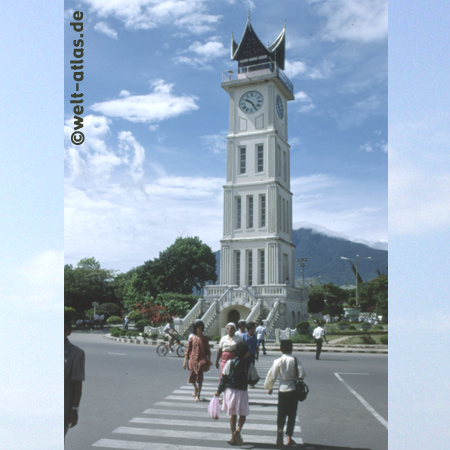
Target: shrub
pixel 301 339
pixel 216 338
pixel 303 327
pixel 115 332
pixel 351 327
pixel 123 332
pixel 109 309
pixel 140 324
pixel 365 326
pixel 384 340
pixel 368 340
pixel 342 325
pixel 378 327
pixel 113 320
pixel 154 336
pixel 134 316
pixel 145 335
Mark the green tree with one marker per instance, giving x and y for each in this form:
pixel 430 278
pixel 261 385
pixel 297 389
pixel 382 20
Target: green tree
pixel 186 264
pixel 371 292
pixel 87 283
pixel 327 298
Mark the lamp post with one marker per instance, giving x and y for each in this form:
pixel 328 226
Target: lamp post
pixel 356 261
pixel 302 263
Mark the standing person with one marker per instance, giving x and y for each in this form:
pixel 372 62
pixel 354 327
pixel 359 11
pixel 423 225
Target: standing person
pixel 227 346
pixel 199 355
pixel 251 340
pixel 126 321
pixel 241 326
pixel 238 373
pixel 285 369
pixel 73 376
pixel 170 332
pixel 261 335
pixel 318 336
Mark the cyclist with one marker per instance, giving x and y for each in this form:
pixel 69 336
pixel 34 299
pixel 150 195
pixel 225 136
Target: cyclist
pixel 171 333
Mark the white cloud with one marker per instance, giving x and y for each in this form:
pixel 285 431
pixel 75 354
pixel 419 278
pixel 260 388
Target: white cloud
pixel 146 14
pixel 102 27
pixel 305 102
pixel 354 20
pixel 369 147
pixel 360 111
pixel 161 104
pixel 294 68
pixel 216 143
pixel 200 54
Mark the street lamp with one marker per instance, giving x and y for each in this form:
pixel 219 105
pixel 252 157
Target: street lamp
pixel 356 272
pixel 302 263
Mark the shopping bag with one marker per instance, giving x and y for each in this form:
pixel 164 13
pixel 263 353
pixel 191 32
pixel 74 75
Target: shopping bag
pixel 213 408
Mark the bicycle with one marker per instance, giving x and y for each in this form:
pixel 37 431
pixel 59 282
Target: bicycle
pixel 163 349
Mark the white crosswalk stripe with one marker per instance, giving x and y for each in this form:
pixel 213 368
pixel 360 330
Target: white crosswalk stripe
pixel 180 423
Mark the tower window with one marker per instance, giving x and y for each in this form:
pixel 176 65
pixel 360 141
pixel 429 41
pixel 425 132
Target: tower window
pixel 238 212
pixel 237 257
pixel 249 211
pixel 260 158
pixel 262 210
pixel 242 160
pixel 249 267
pixel 262 265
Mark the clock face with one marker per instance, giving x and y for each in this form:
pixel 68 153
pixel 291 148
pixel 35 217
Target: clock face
pixel 280 107
pixel 251 102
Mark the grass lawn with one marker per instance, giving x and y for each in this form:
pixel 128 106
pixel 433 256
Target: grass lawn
pixel 359 340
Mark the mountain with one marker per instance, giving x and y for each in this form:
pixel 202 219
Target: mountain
pixel 324 263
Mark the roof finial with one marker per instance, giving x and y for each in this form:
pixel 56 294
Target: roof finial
pixel 248 15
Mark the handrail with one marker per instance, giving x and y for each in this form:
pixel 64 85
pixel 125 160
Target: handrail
pixel 259 69
pixel 210 313
pixel 254 313
pixel 271 318
pixel 186 322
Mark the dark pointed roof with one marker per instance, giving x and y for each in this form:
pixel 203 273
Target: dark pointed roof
pixel 251 47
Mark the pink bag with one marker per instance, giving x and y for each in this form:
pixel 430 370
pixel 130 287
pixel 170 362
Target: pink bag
pixel 213 408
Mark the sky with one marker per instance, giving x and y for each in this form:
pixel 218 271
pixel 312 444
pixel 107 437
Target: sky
pixel 152 165
pixel 32 197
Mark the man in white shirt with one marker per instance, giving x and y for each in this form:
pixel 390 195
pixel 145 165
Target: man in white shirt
pixel 170 333
pixel 261 335
pixel 242 325
pixel 285 369
pixel 319 336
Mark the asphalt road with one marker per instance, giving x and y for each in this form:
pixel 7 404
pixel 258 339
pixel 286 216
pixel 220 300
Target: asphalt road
pixel 133 399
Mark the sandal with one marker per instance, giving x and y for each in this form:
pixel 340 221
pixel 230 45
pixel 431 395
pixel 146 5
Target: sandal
pixel 231 443
pixel 238 437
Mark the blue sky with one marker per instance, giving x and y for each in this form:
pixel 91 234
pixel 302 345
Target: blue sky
pixel 153 163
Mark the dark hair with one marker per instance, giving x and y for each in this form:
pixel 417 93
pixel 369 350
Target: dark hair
pixel 198 323
pixel 250 325
pixel 241 322
pixel 241 349
pixel 286 346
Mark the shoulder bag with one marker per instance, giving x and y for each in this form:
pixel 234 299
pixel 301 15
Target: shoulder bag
pixel 301 388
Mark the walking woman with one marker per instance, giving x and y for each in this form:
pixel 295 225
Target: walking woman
pixel 237 374
pixel 285 369
pixel 227 346
pixel 199 355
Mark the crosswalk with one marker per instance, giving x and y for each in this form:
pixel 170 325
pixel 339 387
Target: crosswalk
pixel 180 423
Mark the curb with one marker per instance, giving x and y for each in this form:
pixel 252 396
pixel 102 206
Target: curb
pixel 306 348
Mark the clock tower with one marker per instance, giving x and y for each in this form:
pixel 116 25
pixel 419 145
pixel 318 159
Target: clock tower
pixel 257 276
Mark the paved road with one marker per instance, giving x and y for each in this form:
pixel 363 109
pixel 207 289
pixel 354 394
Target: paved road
pixel 135 400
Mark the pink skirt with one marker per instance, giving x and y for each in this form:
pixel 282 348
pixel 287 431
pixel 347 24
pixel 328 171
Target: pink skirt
pixel 235 402
pixel 224 358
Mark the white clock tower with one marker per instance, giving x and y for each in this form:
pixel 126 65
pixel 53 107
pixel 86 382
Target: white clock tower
pixel 257 259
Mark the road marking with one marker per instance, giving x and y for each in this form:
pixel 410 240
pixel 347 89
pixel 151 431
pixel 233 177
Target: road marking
pixel 209 424
pixel 255 401
pixel 204 405
pixel 197 435
pixel 363 401
pixel 188 413
pixel 121 354
pixel 136 445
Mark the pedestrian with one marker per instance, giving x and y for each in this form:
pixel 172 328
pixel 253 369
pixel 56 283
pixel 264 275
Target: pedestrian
pixel 285 369
pixel 126 321
pixel 170 333
pixel 73 376
pixel 241 326
pixel 238 373
pixel 319 336
pixel 261 335
pixel 227 346
pixel 199 355
pixel 251 340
